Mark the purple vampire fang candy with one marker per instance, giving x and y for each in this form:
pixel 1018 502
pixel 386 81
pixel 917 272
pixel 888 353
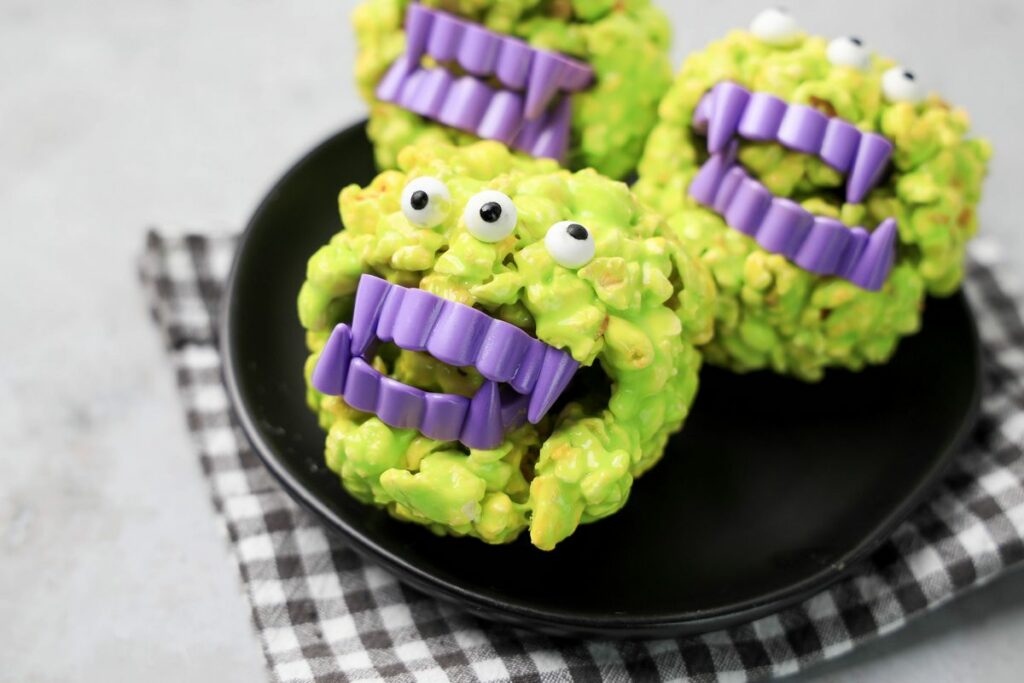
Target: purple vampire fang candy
pixel 523 375
pixel 818 244
pixel 510 92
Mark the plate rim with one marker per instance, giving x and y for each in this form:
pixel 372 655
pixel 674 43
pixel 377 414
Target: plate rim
pixel 611 625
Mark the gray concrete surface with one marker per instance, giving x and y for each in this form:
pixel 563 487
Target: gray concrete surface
pixel 115 115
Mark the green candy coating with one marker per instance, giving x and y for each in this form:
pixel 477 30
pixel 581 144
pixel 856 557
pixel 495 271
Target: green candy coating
pixel 631 316
pixel 625 42
pixel 772 314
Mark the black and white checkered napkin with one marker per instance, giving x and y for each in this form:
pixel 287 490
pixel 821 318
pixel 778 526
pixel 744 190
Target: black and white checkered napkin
pixel 324 615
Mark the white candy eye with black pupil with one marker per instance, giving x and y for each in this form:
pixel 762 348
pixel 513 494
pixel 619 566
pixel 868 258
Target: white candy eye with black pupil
pixel 490 216
pixel 848 51
pixel 426 201
pixel 570 244
pixel 900 85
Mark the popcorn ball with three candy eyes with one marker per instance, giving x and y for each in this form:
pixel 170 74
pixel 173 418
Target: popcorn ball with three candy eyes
pixel 825 191
pixel 498 345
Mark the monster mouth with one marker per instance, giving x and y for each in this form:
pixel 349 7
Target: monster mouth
pixel 510 91
pixel 523 375
pixel 818 244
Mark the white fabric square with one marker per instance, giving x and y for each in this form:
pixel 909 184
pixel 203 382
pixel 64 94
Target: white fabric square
pixel 267 593
pixel 295 670
pixel 490 670
pixel 339 629
pixel 256 548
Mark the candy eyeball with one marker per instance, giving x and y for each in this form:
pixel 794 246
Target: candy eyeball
pixel 900 85
pixel 848 51
pixel 490 216
pixel 775 26
pixel 426 201
pixel 570 244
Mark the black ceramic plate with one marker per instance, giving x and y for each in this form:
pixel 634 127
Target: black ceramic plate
pixel 770 492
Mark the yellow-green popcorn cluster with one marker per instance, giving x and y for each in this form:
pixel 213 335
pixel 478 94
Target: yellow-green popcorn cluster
pixel 631 316
pixel 625 42
pixel 771 313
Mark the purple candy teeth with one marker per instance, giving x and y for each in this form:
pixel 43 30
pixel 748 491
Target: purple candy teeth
pixel 815 243
pixel 729 110
pixel 531 112
pixel 524 375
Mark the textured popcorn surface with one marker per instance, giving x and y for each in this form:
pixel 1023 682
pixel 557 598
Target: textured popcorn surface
pixel 772 314
pixel 632 317
pixel 625 42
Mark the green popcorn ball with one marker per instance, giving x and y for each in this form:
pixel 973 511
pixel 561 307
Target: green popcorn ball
pixel 771 313
pixel 625 43
pixel 631 312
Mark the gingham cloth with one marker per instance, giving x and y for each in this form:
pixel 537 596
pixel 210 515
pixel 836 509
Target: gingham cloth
pixel 323 614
